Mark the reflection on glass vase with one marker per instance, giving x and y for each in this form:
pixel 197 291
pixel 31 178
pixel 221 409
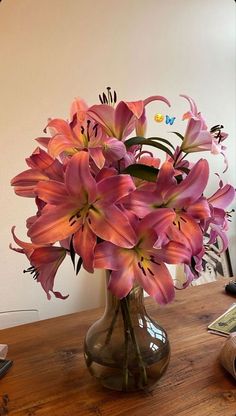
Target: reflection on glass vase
pixel 126 349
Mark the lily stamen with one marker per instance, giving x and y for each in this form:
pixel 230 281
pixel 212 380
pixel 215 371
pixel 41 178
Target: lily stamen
pixel 108 98
pixel 74 218
pixel 150 271
pixel 95 128
pixel 32 270
pixel 88 126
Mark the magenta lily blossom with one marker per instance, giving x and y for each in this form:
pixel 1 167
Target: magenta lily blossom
pixel 119 122
pixel 143 264
pixel 218 222
pixel 185 198
pixel 69 138
pixel 83 209
pixel 197 138
pixel 42 168
pixel 44 261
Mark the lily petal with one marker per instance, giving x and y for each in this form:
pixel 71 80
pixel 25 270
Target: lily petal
pixel 193 106
pixel 114 149
pixel 174 253
pixel 47 260
pixel 105 116
pixel 51 192
pixel 191 188
pixel 199 209
pixel 222 197
pixel 159 284
pixel 124 120
pixel 24 183
pixel 121 282
pixel 78 176
pixel 112 225
pixel 26 248
pixel 79 108
pixel 196 138
pixel 28 178
pixel 96 154
pixel 159 220
pixel 54 224
pixel 84 242
pixel 59 144
pixel 156 98
pixel 123 184
pixel 185 230
pixel 107 256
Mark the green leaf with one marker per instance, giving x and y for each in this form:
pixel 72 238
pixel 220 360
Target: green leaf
pixel 148 173
pixel 160 139
pixel 178 134
pixel 141 140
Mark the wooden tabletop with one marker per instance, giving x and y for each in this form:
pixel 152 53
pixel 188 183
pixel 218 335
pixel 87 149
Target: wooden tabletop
pixel 49 377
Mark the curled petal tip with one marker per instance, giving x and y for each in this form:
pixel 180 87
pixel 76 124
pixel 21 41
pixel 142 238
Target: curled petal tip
pixel 192 104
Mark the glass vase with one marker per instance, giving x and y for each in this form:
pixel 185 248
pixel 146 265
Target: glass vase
pixel 126 350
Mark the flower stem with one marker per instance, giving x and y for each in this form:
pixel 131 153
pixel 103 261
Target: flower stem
pixel 125 306
pixel 126 358
pixel 109 334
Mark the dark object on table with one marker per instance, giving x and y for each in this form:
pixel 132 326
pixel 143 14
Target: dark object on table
pixel 231 288
pixel 4 366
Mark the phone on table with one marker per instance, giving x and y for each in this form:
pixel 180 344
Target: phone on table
pixel 4 366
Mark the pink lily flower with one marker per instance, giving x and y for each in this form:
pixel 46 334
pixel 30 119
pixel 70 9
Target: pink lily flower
pixel 119 122
pixel 218 221
pixel 218 136
pixel 79 109
pixel 42 168
pixel 69 138
pixel 222 197
pixel 44 261
pixel 197 138
pixel 185 198
pixel 180 165
pixel 149 160
pixel 193 113
pixel 143 264
pixel 84 209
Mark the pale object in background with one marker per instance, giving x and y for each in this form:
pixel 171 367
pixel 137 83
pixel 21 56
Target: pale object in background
pixel 3 351
pixel 18 317
pixel 228 355
pixel 215 264
pixel 180 278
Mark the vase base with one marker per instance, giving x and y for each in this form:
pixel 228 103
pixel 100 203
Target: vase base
pixel 130 380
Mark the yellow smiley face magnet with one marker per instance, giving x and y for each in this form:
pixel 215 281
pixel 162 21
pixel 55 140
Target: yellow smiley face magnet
pixel 158 117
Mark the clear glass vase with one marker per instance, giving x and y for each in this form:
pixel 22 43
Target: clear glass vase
pixel 126 349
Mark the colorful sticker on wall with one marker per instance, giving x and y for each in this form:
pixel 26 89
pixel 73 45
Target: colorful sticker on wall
pixel 168 120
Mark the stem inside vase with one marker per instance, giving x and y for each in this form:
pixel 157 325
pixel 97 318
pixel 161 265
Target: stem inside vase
pixel 126 349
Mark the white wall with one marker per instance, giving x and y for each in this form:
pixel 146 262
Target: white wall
pixel 52 51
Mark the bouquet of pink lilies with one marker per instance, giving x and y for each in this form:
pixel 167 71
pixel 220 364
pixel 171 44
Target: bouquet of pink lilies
pixel 105 200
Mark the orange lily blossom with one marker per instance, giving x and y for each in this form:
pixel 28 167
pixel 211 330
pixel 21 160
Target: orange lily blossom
pixel 83 208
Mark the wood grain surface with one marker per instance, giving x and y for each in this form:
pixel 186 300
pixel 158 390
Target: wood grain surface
pixel 49 377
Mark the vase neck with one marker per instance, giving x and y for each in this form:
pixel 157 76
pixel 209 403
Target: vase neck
pixel 134 298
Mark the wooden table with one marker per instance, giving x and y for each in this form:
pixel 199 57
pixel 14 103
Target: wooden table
pixel 49 377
